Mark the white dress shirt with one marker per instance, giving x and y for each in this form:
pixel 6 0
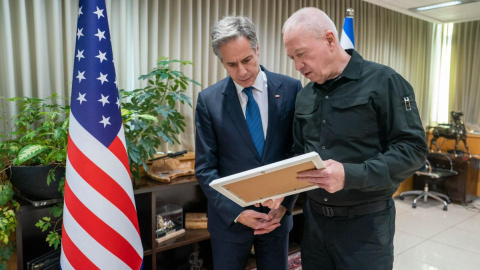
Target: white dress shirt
pixel 260 94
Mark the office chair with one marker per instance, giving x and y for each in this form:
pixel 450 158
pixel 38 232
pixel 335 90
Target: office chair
pixel 436 175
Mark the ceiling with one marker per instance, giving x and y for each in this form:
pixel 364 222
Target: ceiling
pixel 461 13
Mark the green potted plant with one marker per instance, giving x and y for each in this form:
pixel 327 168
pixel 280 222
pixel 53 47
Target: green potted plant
pixel 36 146
pixel 32 158
pixel 150 114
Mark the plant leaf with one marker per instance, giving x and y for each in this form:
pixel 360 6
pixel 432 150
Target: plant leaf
pixel 6 193
pixel 29 152
pixel 54 238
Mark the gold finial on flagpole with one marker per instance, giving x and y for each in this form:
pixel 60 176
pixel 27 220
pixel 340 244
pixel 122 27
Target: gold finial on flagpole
pixel 350 12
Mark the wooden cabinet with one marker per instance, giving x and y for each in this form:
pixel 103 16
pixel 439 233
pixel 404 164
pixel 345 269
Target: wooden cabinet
pixel 462 188
pixel 473 141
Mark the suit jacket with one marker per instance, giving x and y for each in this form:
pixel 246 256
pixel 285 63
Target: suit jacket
pixel 224 146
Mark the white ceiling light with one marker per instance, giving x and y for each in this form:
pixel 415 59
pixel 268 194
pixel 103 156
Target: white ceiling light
pixel 441 5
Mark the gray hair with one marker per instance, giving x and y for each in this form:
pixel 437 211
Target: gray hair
pixel 230 28
pixel 311 19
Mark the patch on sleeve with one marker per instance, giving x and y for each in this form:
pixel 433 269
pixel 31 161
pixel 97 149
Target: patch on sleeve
pixel 408 105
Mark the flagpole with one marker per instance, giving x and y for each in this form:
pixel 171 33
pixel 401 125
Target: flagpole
pixel 347 39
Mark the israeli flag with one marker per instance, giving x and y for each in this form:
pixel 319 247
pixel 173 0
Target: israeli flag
pixel 346 39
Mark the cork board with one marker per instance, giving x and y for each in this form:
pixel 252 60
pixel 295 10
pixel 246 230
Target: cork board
pixel 270 181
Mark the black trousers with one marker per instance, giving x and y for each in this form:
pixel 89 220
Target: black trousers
pixel 342 243
pixel 271 253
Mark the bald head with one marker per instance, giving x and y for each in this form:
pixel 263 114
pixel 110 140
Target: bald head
pixel 311 41
pixel 312 20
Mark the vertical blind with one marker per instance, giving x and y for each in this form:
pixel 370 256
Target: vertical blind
pixel 38 39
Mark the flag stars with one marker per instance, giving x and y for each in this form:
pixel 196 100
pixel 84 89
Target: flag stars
pixel 103 78
pixel 80 76
pixel 80 11
pixel 100 35
pixel 105 121
pixel 79 33
pixel 118 103
pixel 80 54
pixel 81 97
pixel 99 13
pixel 104 100
pixel 101 56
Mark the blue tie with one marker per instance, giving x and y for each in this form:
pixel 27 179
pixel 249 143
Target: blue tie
pixel 254 121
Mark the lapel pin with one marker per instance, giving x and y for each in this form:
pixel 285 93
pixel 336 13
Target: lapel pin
pixel 277 96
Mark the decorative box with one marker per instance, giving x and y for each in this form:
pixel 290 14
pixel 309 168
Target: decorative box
pixel 169 220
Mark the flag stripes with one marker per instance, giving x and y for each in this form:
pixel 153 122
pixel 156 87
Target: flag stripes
pixel 118 149
pixel 100 206
pixel 87 172
pixel 74 255
pixel 100 155
pixel 106 236
pixel 100 221
pixel 347 39
pixel 91 181
pixel 88 247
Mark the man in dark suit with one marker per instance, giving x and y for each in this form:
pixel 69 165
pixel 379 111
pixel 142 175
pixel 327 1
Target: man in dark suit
pixel 235 133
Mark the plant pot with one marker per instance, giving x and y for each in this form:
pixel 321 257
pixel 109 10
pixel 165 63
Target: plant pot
pixel 32 181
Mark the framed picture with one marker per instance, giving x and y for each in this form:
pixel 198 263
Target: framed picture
pixel 270 181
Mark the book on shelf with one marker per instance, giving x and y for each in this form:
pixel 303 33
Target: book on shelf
pixel 196 220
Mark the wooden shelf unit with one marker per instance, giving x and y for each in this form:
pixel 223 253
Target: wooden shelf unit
pixel 184 191
pixel 149 194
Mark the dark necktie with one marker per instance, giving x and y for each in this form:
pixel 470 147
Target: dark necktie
pixel 254 121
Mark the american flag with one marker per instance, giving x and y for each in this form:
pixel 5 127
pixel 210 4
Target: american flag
pixel 100 226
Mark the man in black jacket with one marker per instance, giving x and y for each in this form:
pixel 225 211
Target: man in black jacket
pixel 362 119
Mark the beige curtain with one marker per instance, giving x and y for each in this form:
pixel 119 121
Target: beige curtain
pixel 399 41
pixel 38 39
pixel 465 71
pixel 440 100
pixel 33 51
